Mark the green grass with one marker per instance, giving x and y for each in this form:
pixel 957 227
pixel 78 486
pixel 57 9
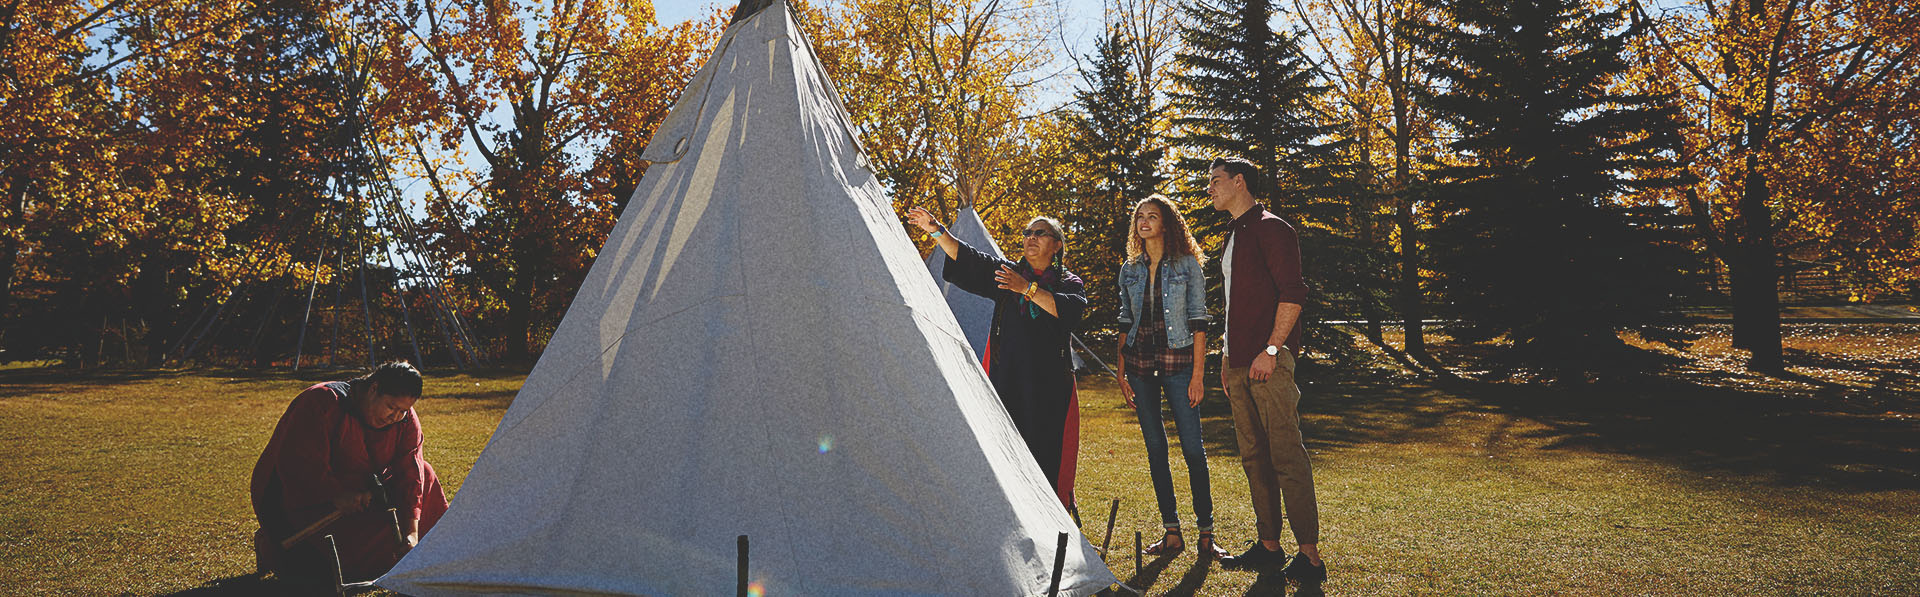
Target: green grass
pixel 1691 480
pixel 137 482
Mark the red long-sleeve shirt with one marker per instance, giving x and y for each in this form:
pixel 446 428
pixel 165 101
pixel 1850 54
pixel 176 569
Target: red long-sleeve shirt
pixel 320 450
pixel 1265 272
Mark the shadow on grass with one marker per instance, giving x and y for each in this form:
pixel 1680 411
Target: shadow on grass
pixel 1885 373
pixel 247 585
pixel 1269 584
pixel 41 381
pixel 1849 439
pixel 1789 429
pixel 53 381
pixel 1364 410
pixel 1149 572
pixel 1853 427
pixel 1195 578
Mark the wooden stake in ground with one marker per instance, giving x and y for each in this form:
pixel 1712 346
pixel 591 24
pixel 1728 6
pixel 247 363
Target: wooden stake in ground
pixel 1059 562
pixel 1111 513
pixel 740 585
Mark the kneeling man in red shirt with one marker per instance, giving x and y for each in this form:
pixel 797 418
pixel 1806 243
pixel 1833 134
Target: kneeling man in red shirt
pixel 331 441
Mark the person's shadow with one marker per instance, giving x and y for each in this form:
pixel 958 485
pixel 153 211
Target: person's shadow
pixel 235 586
pixel 250 585
pixel 1148 573
pixel 1191 582
pixel 1274 584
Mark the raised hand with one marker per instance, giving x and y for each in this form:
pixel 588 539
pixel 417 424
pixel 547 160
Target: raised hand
pixel 919 216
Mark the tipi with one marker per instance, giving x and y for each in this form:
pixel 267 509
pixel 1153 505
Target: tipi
pixel 757 351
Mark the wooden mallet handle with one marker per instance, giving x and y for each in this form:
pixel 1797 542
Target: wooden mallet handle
pixel 377 498
pixel 311 529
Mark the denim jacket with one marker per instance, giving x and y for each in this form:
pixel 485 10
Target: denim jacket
pixel 1183 293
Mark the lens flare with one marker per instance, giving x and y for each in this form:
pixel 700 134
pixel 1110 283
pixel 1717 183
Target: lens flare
pixel 755 589
pixel 826 444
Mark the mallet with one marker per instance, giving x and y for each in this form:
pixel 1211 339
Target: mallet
pixel 379 501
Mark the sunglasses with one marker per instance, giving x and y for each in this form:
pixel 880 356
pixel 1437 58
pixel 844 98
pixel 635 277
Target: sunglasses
pixel 1031 232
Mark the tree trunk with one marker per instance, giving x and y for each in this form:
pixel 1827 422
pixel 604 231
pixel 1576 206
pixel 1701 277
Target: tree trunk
pixel 1756 300
pixel 10 245
pixel 9 257
pixel 520 325
pixel 161 315
pixel 1412 302
pixel 1362 212
pixel 520 297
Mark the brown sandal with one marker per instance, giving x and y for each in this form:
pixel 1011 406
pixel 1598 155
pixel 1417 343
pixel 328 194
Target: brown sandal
pixel 1209 549
pixel 1161 548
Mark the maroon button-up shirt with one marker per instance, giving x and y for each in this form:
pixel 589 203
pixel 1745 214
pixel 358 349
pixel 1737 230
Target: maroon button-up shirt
pixel 1266 272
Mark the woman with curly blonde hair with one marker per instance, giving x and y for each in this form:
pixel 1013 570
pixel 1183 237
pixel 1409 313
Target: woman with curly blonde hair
pixel 1163 308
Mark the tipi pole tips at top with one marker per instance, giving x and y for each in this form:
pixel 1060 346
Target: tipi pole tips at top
pixel 748 8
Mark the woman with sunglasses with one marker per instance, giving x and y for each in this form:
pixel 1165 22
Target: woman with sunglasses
pixel 1036 305
pixel 1163 310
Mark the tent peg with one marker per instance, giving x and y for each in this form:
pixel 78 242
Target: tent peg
pixel 1108 539
pixel 740 585
pixel 1059 562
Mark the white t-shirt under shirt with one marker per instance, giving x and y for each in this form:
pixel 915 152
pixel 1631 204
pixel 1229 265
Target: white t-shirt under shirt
pixel 1226 270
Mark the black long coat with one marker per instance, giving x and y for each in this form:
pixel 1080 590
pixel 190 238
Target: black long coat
pixel 1028 359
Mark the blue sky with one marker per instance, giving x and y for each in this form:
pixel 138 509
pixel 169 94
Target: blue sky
pixel 1082 23
pixel 672 12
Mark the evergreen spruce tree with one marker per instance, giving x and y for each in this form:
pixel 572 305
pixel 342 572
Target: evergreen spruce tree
pixel 1247 91
pixel 1119 154
pixel 1533 241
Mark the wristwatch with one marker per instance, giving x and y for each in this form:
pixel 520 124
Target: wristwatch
pixel 1273 351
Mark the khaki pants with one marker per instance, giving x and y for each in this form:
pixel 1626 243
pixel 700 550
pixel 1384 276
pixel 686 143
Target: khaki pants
pixel 1266 421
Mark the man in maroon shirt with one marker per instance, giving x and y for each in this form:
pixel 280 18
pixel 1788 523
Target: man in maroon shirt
pixel 332 438
pixel 1265 292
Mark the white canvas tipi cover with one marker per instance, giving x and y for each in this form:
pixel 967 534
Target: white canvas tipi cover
pixel 975 312
pixel 757 351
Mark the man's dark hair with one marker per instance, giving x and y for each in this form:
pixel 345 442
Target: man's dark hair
pixel 1245 170
pixel 396 378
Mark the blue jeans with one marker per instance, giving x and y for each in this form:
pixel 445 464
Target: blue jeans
pixel 1148 391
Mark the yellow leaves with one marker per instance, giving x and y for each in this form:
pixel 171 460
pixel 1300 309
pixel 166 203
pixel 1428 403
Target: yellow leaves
pixel 1839 178
pixel 935 88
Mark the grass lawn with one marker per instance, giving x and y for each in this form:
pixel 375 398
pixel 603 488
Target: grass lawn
pixel 1690 479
